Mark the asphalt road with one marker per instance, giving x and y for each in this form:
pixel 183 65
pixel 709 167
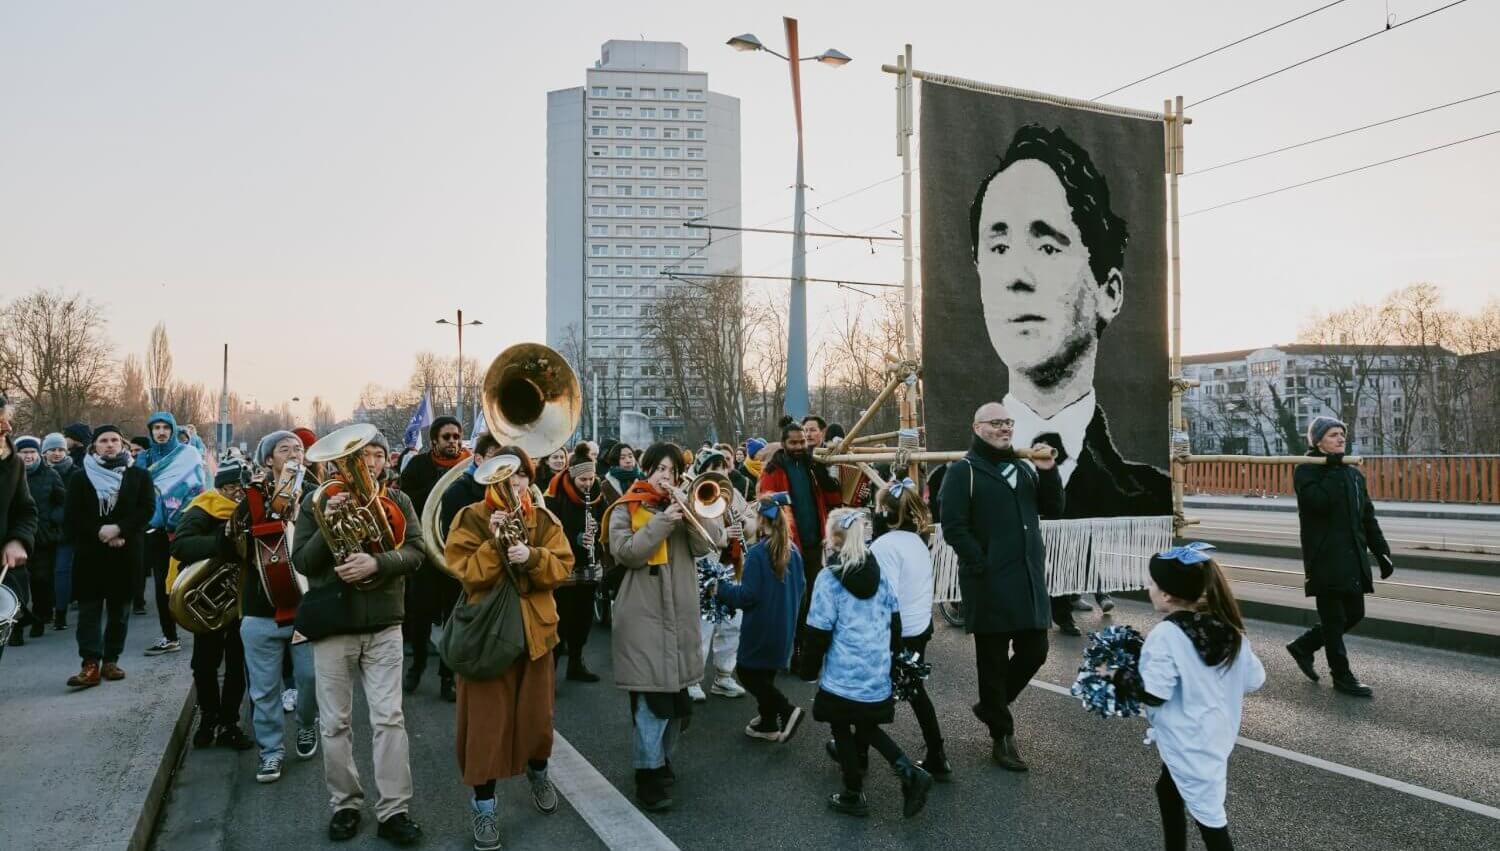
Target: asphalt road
pixel 1431 724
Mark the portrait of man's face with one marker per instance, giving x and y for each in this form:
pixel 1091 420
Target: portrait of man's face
pixel 1042 305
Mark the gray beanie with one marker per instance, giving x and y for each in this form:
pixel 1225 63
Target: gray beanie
pixel 54 441
pixel 379 440
pixel 1319 427
pixel 268 443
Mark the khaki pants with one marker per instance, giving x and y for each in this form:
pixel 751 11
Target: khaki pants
pixel 376 659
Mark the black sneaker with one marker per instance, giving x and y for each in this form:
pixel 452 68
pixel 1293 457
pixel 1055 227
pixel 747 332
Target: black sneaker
pixel 344 825
pixel 1304 661
pixel 1350 685
pixel 849 802
pixel 269 770
pixel 203 737
pixel 231 736
pixel 307 742
pixel 650 791
pixel 399 829
pixel 915 784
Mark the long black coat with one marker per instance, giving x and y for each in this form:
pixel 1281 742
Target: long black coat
pixel 49 494
pixel 1338 525
pixel 101 572
pixel 996 531
pixel 17 509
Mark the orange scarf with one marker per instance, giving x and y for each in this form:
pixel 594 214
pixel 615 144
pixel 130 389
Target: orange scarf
pixel 448 464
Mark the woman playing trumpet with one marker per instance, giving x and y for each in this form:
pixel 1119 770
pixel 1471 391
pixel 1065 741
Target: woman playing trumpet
pixel 504 726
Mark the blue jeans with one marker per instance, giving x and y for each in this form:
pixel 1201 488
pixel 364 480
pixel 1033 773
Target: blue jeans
pixel 655 738
pixel 62 578
pixel 264 644
pixel 108 646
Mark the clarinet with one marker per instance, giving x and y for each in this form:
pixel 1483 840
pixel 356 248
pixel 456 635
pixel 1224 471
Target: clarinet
pixel 590 529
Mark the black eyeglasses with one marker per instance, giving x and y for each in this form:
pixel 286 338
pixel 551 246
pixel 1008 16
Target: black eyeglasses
pixel 998 423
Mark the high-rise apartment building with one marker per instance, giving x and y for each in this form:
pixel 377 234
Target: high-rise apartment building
pixel 639 149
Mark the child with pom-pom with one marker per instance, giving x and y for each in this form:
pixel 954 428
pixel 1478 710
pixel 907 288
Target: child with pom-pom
pixel 1196 668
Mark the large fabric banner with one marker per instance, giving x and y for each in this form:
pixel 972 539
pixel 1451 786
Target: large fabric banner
pixel 1044 275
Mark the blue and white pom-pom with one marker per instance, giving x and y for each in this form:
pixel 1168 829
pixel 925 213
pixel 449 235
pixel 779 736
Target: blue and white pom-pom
pixel 709 607
pixel 908 670
pixel 1113 655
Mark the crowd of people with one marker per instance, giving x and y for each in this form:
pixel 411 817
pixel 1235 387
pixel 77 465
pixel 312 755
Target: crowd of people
pixel 795 575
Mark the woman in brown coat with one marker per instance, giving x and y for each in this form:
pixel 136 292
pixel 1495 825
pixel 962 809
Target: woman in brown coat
pixel 655 640
pixel 504 725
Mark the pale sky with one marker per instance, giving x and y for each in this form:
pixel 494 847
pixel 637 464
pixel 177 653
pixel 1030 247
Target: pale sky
pixel 238 170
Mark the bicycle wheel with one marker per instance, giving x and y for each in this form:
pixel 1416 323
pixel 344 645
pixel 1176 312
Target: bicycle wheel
pixel 602 607
pixel 952 612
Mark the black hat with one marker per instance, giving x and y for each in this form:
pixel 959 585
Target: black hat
pixel 142 441
pixel 80 432
pixel 231 472
pixel 102 430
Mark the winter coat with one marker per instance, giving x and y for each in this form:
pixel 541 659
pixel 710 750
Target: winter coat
pixel 572 513
pixel 201 535
pixel 656 646
pixel 421 475
pixel 101 572
pixel 773 479
pixel 18 511
pixel 996 531
pixel 770 606
pixel 1338 525
pixel 382 604
pixel 50 495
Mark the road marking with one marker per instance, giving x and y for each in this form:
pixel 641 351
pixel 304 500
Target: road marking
pixel 1339 768
pixel 616 821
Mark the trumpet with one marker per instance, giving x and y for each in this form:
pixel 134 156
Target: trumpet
pixel 497 471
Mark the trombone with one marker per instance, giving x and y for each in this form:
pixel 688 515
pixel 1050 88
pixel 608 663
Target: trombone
pixel 702 497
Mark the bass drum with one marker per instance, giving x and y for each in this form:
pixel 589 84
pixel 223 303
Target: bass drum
pixel 10 612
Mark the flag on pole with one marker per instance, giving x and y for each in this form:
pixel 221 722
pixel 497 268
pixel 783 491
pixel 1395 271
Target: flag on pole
pixel 479 426
pixel 421 420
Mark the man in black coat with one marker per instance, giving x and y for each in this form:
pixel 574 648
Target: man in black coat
pixel 110 503
pixel 1338 526
pixel 18 519
pixel 431 593
pixel 992 504
pixel 47 492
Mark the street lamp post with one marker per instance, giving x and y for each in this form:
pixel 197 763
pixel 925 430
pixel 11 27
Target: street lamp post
pixel 797 403
pixel 459 323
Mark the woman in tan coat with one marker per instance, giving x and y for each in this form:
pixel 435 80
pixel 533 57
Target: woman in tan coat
pixel 655 643
pixel 504 725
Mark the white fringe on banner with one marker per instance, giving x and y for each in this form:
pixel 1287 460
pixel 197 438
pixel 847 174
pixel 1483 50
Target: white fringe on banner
pixel 1086 555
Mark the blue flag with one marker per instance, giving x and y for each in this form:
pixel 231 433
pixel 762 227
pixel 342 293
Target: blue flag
pixel 421 420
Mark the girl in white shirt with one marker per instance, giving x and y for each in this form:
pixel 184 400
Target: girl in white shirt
pixel 901 521
pixel 1196 667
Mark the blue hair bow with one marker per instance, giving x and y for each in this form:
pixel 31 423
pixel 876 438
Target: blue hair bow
pixel 1196 552
pixel 771 504
pixel 898 488
pixel 848 520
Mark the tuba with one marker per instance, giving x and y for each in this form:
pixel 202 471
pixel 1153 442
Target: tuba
pixel 206 595
pixel 532 400
pixel 368 521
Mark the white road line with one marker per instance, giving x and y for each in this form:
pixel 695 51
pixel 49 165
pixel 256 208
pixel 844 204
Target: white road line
pixel 1339 768
pixel 616 821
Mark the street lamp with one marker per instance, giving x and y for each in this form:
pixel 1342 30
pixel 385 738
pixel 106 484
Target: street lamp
pixel 796 362
pixel 459 323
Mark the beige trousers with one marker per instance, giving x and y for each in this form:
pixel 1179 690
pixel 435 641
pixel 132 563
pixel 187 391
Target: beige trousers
pixel 376 659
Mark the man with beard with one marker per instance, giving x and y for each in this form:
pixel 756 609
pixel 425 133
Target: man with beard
pixel 814 428
pixel 179 475
pixel 814 492
pixel 430 593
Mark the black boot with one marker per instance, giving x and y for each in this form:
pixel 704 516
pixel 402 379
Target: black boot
pixel 60 619
pixel 446 689
pixel 1350 685
pixel 579 672
pixel 1005 754
pixel 412 679
pixel 936 763
pixel 38 626
pixel 1304 661
pixel 650 791
pixel 204 736
pixel 915 783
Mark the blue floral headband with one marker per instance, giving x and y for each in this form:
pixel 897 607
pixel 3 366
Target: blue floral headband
pixel 1196 552
pixel 771 505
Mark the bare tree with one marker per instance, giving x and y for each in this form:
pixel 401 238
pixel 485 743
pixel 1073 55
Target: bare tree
pixel 1347 365
pixel 388 410
pixel 699 336
pixel 765 363
pixel 1431 382
pixel 158 366
pixel 322 415
pixel 54 353
pixel 1478 342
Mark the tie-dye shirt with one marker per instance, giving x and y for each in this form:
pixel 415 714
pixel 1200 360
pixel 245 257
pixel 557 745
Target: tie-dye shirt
pixel 858 664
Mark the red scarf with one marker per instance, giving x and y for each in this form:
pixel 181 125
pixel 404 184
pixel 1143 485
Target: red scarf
pixel 448 464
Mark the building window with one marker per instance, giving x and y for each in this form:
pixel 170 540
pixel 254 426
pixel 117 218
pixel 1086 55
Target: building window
pixel 598 189
pixel 672 171
pixel 648 171
pixel 622 209
pixel 695 172
pixel 648 111
pixel 671 153
pixel 599 330
pixel 599 310
pixel 648 132
pixel 695 191
pixel 624 189
pixel 648 94
pixel 671 94
pixel 599 151
pixel 648 250
pixel 598 210
pixel 624 351
pixel 623 289
pixel 623 132
pixel 695 268
pixel 599 250
pixel 648 191
pixel 671 251
pixel 648 151
pixel 648 272
pixel 622 271
pixel 648 390
pixel 599 289
pixel 624 251
pixel 672 191
pixel 598 170
pixel 695 94
pixel 624 310
pixel 694 212
pixel 648 211
pixel 670 112
pixel 695 153
pixel 598 130
pixel 671 211
pixel 623 331
pixel 695 132
pixel 623 230
pixel 622 171
pixel 671 133
pixel 622 112
pixel 598 351
pixel 598 112
pixel 598 230
pixel 672 230
pixel 599 91
pixel 621 92
pixel 648 410
pixel 622 150
pixel 648 230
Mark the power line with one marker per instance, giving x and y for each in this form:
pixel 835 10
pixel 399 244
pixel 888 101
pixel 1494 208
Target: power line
pixel 683 276
pixel 1342 173
pixel 1219 49
pixel 1341 133
pixel 842 234
pixel 1388 28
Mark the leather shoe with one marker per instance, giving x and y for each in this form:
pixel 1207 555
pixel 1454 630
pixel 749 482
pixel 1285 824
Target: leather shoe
pixel 936 763
pixel 412 679
pixel 579 672
pixel 1350 685
pixel 343 825
pixel 447 690
pixel 400 830
pixel 1304 661
pixel 1067 627
pixel 1006 756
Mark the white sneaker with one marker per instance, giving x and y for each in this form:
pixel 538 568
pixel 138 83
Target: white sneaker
pixel 726 686
pixel 289 700
pixel 163 645
pixel 695 691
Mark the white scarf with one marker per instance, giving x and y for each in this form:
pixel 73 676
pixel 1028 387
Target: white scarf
pixel 106 482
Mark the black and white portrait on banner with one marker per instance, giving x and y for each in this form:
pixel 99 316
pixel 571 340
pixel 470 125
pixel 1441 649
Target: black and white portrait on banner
pixel 1044 276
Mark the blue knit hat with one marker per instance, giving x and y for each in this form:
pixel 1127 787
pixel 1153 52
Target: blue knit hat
pixel 1319 427
pixel 753 446
pixel 54 441
pixel 28 442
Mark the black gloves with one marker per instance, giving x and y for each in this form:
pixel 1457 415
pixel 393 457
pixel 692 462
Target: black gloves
pixel 1387 567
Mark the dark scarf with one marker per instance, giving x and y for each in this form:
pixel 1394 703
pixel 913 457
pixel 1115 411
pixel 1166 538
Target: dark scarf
pixel 990 453
pixel 1216 642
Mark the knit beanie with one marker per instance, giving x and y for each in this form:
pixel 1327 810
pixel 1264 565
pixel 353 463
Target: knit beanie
pixel 27 441
pixel 79 432
pixel 103 430
pixel 268 443
pixel 1319 427
pixel 379 440
pixel 306 435
pixel 54 441
pixel 142 441
pixel 230 473
pixel 753 446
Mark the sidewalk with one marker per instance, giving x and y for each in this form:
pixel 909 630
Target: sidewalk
pixel 1383 508
pixel 87 770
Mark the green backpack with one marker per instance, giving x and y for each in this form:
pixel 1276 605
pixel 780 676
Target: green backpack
pixel 481 640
